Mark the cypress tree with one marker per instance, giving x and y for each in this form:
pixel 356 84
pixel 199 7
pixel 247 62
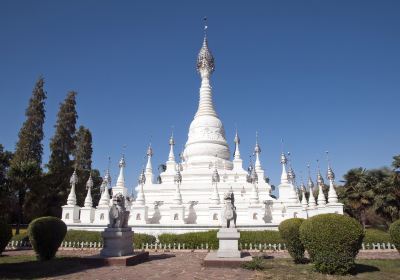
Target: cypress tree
pixel 5 190
pixel 26 162
pixel 83 149
pixel 83 161
pixel 62 145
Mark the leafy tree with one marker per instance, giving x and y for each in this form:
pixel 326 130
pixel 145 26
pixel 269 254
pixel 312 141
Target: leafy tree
pixel 62 145
pixel 26 162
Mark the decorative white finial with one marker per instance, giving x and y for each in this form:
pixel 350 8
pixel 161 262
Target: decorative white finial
pixel 72 196
pixel 237 142
pixel 171 156
pixel 140 200
pixel 284 176
pixel 149 168
pixel 89 186
pixel 332 195
pixel 304 202
pixel 311 199
pixel 205 59
pixel 320 181
pixel 121 177
pixel 105 196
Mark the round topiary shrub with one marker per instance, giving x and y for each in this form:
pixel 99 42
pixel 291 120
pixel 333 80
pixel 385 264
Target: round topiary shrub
pixel 5 235
pixel 46 235
pixel 290 232
pixel 332 241
pixel 394 231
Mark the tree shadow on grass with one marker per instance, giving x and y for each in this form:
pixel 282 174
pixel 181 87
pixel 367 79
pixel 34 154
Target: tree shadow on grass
pixel 363 268
pixel 38 269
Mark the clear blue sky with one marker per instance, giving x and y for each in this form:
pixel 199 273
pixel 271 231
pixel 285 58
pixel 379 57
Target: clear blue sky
pixel 324 75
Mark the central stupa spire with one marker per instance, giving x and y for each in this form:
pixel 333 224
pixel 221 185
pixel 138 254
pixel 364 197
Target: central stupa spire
pixel 206 140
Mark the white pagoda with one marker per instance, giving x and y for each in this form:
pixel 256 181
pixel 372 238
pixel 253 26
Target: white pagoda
pixel 189 194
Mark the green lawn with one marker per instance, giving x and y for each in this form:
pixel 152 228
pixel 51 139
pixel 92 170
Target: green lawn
pixel 366 269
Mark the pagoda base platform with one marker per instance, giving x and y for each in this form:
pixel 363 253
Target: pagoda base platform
pixel 212 260
pixel 137 257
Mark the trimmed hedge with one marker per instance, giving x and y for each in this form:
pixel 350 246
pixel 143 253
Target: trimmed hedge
pixel 373 235
pixel 290 232
pixel 332 241
pixel 46 235
pixel 95 236
pixel 394 231
pixel 192 240
pixel 83 236
pixel 142 238
pixel 5 235
pixel 257 237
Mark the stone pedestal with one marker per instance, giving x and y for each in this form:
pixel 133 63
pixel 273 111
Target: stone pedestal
pixel 87 215
pixel 117 242
pixel 70 214
pixel 228 243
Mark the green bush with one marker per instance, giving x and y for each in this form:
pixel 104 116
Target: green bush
pixel 394 231
pixel 290 232
pixel 142 238
pixel 332 241
pixel 83 236
pixel 257 237
pixel 46 235
pixel 5 235
pixel 373 235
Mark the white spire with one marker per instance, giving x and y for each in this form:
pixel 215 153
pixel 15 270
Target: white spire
pixel 140 200
pixel 254 198
pixel 121 178
pixel 284 177
pixel 311 199
pixel 320 181
pixel 237 142
pixel 304 202
pixel 89 186
pixel 205 67
pixel 257 151
pixel 171 156
pixel 149 168
pixel 72 196
pixel 105 196
pixel 332 195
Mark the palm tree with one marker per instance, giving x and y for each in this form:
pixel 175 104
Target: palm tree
pixel 357 194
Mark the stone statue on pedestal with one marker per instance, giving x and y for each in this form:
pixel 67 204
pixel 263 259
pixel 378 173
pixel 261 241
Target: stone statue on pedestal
pixel 117 237
pixel 118 214
pixel 229 211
